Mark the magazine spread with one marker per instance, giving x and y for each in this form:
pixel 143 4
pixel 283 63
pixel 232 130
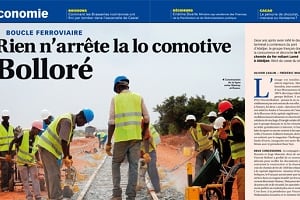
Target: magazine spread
pixel 65 55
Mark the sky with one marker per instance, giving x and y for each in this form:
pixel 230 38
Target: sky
pixel 156 76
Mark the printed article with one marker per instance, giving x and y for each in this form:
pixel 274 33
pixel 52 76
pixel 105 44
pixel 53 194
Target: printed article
pixel 272 90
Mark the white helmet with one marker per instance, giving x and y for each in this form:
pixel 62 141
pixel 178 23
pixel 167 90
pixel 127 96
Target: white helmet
pixel 190 117
pixel 45 114
pixel 212 114
pixel 219 122
pixel 5 113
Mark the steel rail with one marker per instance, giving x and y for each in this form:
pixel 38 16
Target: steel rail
pixel 108 184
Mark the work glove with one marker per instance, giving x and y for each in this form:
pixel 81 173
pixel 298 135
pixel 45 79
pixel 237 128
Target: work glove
pixel 222 135
pixel 17 131
pixel 8 158
pixel 147 157
pixel 108 149
pixel 68 162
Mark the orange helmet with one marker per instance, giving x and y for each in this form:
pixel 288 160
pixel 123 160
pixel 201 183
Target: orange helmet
pixel 223 106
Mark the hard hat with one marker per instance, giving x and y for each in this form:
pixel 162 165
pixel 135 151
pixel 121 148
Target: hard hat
pixel 88 114
pixel 190 117
pixel 45 114
pixel 223 106
pixel 38 124
pixel 120 80
pixel 5 113
pixel 219 122
pixel 212 114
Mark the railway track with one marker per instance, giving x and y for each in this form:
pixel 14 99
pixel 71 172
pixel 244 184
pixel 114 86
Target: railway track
pixel 99 185
pixel 94 181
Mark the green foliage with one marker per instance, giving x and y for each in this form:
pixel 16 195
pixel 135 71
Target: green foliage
pixel 173 111
pixel 172 129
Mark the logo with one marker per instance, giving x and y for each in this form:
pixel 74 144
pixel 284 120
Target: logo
pixel 24 14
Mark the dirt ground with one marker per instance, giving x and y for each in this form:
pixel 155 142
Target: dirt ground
pixel 171 154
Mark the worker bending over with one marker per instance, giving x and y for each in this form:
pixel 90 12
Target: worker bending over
pixel 28 158
pixel 54 142
pixel 200 133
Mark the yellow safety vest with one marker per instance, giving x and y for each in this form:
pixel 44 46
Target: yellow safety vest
pixel 6 137
pixel 215 136
pixel 50 139
pixel 203 142
pixel 210 138
pixel 102 135
pixel 237 148
pixel 152 145
pixel 218 141
pixel 128 113
pixel 23 155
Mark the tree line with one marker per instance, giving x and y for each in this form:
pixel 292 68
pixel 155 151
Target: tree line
pixel 173 110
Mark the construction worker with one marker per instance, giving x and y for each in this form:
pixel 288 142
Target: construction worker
pixel 212 116
pixel 47 119
pixel 102 137
pixel 126 110
pixel 6 136
pixel 54 142
pixel 223 146
pixel 149 161
pixel 236 135
pixel 28 159
pixel 199 132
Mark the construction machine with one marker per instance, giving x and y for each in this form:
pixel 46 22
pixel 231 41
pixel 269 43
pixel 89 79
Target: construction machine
pixel 205 185
pixel 210 183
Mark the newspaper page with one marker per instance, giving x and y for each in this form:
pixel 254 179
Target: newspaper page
pixel 64 56
pixel 272 68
